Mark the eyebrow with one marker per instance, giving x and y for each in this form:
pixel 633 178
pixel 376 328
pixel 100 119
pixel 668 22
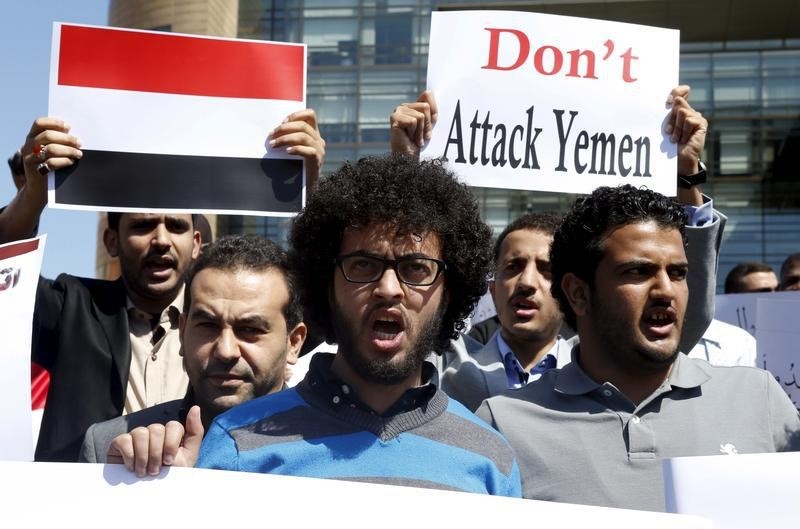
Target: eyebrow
pixel 253 321
pixel 648 263
pixel 177 221
pixel 200 313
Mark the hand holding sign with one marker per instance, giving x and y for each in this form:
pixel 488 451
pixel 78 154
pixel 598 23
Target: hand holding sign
pixel 300 135
pixel 50 143
pixel 551 103
pixel 686 127
pixel 144 450
pixel 412 124
pixel 47 147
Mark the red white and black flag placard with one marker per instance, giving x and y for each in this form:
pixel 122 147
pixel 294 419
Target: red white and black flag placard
pixel 176 122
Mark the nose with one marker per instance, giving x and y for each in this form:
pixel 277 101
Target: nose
pixel 664 286
pixel 388 286
pixel 161 235
pixel 227 349
pixel 529 279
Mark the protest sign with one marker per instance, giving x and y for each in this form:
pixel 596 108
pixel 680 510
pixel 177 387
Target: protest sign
pixel 20 263
pixel 778 333
pixel 176 497
pixel 772 317
pixel 741 310
pixel 175 122
pixel 552 103
pixel 740 491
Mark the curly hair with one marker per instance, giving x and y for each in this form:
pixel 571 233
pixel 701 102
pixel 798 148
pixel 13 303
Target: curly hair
pixel 577 243
pixel 415 196
pixel 545 222
pixel 251 253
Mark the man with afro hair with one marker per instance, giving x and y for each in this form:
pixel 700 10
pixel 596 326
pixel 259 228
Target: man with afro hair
pixel 390 256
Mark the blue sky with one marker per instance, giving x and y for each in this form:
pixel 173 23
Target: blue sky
pixel 25 34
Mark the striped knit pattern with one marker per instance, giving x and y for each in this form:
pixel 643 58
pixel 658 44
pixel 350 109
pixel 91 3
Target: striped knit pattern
pixel 298 432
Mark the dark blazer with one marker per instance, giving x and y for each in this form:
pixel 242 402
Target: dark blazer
pixel 99 436
pixel 80 335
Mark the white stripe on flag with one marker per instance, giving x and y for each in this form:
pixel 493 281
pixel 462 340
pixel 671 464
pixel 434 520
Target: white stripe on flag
pixel 146 122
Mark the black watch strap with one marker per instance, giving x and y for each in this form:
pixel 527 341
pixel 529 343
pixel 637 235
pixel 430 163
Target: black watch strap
pixel 689 181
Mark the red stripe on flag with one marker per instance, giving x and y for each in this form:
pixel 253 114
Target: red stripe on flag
pixel 160 62
pixel 14 250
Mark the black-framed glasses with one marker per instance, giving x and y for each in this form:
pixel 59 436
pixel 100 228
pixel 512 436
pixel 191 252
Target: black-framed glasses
pixel 411 270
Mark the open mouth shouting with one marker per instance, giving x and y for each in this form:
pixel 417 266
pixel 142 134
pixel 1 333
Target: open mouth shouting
pixel 659 322
pixel 160 265
pixel 387 329
pixel 524 307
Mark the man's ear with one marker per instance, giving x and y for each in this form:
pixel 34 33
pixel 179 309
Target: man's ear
pixel 196 243
pixel 577 292
pixel 111 242
pixel 295 342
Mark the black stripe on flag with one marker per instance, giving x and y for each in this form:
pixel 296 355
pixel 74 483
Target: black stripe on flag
pixel 109 179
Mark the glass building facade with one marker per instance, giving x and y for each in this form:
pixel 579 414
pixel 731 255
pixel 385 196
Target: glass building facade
pixel 366 57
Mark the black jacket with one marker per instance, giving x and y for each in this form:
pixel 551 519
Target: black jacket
pixel 80 335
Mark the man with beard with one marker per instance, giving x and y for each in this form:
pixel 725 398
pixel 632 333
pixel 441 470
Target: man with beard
pixel 391 255
pixel 240 327
pixel 111 347
pixel 529 342
pixel 594 432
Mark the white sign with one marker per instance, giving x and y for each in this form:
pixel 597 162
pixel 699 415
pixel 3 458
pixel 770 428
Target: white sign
pixel 778 336
pixel 178 497
pixel 742 310
pixel 741 491
pixel 20 264
pixel 552 103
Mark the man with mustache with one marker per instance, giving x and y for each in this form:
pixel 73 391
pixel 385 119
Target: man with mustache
pixel 391 255
pixel 528 342
pixel 239 328
pixel 111 347
pixel 595 431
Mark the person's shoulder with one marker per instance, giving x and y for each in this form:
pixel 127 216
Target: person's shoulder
pixel 260 408
pixel 66 281
pixel 741 376
pixel 158 414
pixel 726 334
pixel 538 393
pixel 470 426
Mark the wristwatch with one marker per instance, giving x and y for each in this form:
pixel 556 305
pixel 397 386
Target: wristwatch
pixel 689 181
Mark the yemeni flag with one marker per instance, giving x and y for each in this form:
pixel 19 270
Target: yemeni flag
pixel 176 122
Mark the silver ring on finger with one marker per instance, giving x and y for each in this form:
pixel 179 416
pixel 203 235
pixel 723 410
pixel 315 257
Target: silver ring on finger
pixel 43 169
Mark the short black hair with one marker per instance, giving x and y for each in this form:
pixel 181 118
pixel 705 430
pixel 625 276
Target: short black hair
pixel 202 225
pixel 734 279
pixel 545 222
pixel 113 218
pixel 416 196
pixel 577 242
pixel 247 252
pixel 788 262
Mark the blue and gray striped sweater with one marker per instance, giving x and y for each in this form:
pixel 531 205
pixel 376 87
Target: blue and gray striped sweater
pixel 303 431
